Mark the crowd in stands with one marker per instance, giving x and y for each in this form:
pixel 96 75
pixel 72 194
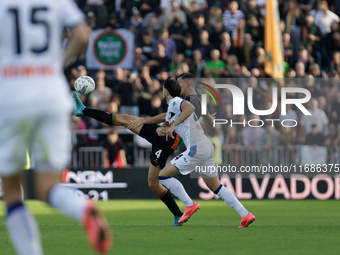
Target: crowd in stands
pixel 219 39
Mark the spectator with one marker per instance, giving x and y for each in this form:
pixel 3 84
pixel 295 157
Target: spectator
pixel 102 94
pixel 91 20
pixel 304 58
pixel 204 45
pixel 115 81
pixel 226 46
pixel 115 155
pixel 136 21
pixel 335 110
pixel 255 28
pixel 129 93
pixel 311 37
pixel 80 139
pixel 306 5
pixel 294 16
pixel 177 62
pixel 149 87
pixel 335 64
pixel 177 13
pixel 166 5
pixel 196 6
pixel 247 53
pixel 99 10
pixel 156 106
pixel 159 61
pixel 300 70
pixel 199 64
pixel 168 44
pixel 332 40
pixel 158 20
pixel 199 24
pixel 291 117
pixel 288 139
pixel 147 6
pixel 233 21
pixel 315 138
pixel 323 17
pixel 215 15
pixel 271 137
pixel 215 66
pixel 318 117
pixel 113 22
pixel 81 70
pixel 332 136
pixel 188 46
pixel 139 59
pixel 216 33
pixel 146 43
pixel 254 138
pixel 288 49
pixel 253 10
pixel 260 61
pixel 177 33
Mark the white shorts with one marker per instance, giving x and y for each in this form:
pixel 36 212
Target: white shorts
pixel 199 156
pixel 45 133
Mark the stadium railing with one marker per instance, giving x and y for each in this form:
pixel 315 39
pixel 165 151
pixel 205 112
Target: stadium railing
pixel 94 156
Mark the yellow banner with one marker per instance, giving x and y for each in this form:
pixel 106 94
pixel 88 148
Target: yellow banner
pixel 273 41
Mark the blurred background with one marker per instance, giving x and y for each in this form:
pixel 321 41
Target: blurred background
pixel 210 39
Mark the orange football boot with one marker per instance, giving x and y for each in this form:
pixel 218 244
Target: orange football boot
pixel 98 230
pixel 188 212
pixel 246 221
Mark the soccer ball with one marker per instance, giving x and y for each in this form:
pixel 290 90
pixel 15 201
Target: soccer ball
pixel 84 85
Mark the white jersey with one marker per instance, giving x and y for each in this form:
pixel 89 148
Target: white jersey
pixel 189 130
pixel 31 54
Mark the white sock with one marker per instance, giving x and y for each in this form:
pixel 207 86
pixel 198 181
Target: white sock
pixel 176 188
pixel 65 200
pixel 23 231
pixel 232 201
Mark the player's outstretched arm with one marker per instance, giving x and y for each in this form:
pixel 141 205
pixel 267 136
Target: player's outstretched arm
pixel 77 42
pixel 153 120
pixel 187 110
pixel 209 118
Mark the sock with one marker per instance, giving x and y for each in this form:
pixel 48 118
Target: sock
pixel 176 188
pixel 231 200
pixel 65 200
pixel 169 201
pixel 23 230
pixel 105 117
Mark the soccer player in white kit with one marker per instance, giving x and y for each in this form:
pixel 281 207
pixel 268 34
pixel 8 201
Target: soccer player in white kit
pixel 35 109
pixel 181 119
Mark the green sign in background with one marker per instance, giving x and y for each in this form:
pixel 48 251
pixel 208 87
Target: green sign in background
pixel 110 48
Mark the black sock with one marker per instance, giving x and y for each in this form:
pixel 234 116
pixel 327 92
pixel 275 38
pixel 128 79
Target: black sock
pixel 169 201
pixel 102 116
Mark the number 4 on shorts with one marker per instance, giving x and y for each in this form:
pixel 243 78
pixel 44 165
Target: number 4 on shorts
pixel 158 153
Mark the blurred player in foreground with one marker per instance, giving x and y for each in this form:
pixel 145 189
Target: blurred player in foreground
pixel 35 113
pixel 182 119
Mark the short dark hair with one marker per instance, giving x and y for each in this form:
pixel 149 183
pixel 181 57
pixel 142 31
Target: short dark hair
pixel 185 76
pixel 173 87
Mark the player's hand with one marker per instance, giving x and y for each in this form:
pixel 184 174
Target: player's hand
pixel 213 116
pixel 161 131
pixel 135 123
pixel 169 132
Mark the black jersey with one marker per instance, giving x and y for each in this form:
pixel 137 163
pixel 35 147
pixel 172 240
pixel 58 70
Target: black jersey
pixel 195 100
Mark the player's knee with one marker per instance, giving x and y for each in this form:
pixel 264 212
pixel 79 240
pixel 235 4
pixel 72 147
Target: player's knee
pixel 153 184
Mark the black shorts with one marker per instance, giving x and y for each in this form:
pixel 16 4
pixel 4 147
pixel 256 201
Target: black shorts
pixel 161 149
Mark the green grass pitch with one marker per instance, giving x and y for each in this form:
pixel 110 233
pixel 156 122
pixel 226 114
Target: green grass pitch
pixel 145 227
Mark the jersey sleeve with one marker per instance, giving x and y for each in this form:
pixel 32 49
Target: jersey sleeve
pixel 71 15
